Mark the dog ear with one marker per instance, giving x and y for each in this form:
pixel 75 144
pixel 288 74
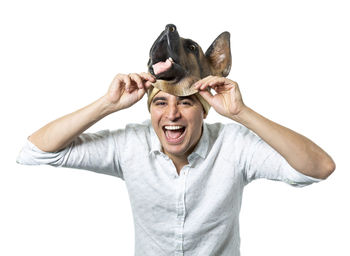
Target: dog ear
pixel 219 55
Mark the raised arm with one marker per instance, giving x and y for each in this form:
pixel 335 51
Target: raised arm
pixel 300 152
pixel 124 91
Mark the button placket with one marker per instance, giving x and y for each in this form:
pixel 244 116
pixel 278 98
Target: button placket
pixel 181 209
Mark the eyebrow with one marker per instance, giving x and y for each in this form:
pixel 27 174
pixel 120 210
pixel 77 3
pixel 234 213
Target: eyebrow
pixel 185 98
pixel 179 98
pixel 158 98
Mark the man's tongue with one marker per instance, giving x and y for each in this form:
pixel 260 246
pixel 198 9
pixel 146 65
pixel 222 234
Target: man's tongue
pixel 161 66
pixel 173 134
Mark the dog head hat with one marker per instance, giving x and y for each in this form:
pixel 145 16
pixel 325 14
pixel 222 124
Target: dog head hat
pixel 177 63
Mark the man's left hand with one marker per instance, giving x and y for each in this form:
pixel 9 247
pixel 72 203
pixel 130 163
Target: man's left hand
pixel 228 99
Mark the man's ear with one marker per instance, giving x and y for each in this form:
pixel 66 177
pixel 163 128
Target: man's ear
pixel 205 115
pixel 219 55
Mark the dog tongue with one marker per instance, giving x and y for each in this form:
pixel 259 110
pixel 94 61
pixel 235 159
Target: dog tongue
pixel 161 66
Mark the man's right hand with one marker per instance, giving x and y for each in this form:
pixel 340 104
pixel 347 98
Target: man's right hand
pixel 126 90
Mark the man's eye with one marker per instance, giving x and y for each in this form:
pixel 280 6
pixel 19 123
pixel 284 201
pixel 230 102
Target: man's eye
pixel 160 103
pixel 186 103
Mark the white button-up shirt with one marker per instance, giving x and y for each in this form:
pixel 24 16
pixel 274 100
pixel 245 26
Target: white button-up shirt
pixel 193 213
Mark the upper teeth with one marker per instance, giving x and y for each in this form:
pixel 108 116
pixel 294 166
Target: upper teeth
pixel 171 59
pixel 173 127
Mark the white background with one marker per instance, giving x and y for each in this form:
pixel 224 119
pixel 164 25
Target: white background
pixel 290 58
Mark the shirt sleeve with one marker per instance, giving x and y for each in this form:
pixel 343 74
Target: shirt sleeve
pixel 96 152
pixel 262 161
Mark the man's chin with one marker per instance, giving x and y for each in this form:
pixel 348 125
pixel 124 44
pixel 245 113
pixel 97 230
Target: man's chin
pixel 175 150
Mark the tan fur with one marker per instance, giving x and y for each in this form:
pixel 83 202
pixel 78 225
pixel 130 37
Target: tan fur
pixel 182 88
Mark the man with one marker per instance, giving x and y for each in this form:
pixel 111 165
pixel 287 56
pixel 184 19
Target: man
pixel 185 178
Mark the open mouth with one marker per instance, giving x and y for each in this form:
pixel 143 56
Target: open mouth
pixel 163 69
pixel 164 63
pixel 174 133
pixel 166 69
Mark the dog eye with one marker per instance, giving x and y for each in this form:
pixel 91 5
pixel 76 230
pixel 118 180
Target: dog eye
pixel 192 47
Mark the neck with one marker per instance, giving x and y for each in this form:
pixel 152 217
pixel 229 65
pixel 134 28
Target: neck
pixel 179 162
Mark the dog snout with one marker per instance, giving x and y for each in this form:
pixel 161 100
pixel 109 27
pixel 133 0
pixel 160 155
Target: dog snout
pixel 170 27
pixel 166 45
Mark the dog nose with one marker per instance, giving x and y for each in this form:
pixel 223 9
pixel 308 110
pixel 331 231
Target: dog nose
pixel 170 27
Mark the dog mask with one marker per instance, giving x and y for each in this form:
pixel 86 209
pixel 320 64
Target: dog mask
pixel 177 63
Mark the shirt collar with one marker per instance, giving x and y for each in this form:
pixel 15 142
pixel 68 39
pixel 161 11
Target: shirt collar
pixel 201 149
pixel 155 143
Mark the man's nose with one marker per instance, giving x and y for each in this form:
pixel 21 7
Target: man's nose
pixel 173 112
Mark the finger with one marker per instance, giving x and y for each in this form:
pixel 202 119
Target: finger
pixel 220 84
pixel 148 84
pixel 147 76
pixel 210 81
pixel 137 79
pixel 127 82
pixel 207 96
pixel 118 80
pixel 227 85
pixel 141 93
pixel 199 83
pixel 119 77
pixel 216 81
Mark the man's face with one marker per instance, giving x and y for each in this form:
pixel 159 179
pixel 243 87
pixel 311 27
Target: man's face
pixel 178 122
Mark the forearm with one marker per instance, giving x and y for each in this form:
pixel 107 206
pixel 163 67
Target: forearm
pixel 300 152
pixel 59 133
